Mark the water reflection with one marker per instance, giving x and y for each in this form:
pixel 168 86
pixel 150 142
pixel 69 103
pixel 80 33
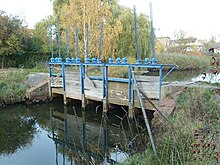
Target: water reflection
pixel 83 141
pixel 52 134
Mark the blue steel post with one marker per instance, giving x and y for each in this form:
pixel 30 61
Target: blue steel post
pixel 87 40
pixel 77 42
pixel 51 40
pixel 106 83
pixel 103 80
pixel 130 113
pixel 82 85
pixel 100 42
pixel 132 87
pixel 84 129
pixel 152 31
pixel 136 34
pixel 58 31
pixel 64 83
pixel 67 43
pixel 50 92
pixel 65 125
pixel 161 80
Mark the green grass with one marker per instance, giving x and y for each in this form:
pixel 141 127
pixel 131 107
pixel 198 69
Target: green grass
pixel 11 87
pixel 185 62
pixel 176 139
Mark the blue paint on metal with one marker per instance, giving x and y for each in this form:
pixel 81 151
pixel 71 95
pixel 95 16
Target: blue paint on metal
pixel 138 61
pixel 82 79
pixel 129 84
pixel 99 61
pixel 132 87
pixel 58 32
pixel 64 79
pixel 160 83
pixel 136 34
pixel 87 60
pixel 124 60
pixel 67 43
pixel 118 60
pixel 73 60
pixel 94 60
pixel 78 60
pixel 100 42
pixel 77 42
pixel 152 31
pixel 111 60
pixel 154 61
pixel 147 61
pixel 106 83
pixel 169 72
pixel 51 42
pixel 87 40
pixel 103 81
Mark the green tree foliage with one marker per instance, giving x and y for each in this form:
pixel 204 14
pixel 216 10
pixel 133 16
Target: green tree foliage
pixel 15 41
pixel 41 40
pixel 119 32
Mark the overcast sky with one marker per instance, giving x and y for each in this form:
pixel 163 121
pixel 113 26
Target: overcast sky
pixel 198 18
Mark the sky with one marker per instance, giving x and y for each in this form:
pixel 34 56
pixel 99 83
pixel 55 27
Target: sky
pixel 197 18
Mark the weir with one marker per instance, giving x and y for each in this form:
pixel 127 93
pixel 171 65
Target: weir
pixel 88 79
pixel 73 80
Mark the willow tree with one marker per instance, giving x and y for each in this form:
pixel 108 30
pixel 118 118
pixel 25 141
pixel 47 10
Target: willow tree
pixel 80 13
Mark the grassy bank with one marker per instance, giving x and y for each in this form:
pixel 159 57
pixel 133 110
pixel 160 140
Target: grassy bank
pixel 185 61
pixel 192 134
pixel 11 87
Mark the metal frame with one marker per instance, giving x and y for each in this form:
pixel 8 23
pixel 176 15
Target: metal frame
pixel 105 76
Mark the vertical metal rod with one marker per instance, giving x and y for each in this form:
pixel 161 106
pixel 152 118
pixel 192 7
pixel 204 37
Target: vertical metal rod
pixel 106 83
pixel 103 80
pixel 84 129
pixel 51 39
pixel 132 86
pixel 87 40
pixel 63 154
pixel 65 125
pixel 161 80
pixel 77 42
pixel 144 115
pixel 152 31
pixel 129 84
pixel 64 83
pixel 67 43
pixel 58 31
pixel 100 42
pixel 51 94
pixel 136 34
pixel 82 79
pixel 56 153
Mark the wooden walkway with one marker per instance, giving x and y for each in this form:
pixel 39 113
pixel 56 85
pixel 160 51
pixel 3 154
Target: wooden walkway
pixel 117 91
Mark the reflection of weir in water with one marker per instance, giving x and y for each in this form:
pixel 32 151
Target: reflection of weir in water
pixel 82 141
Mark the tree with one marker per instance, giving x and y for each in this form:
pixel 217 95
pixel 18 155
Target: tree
pixel 14 40
pixel 93 13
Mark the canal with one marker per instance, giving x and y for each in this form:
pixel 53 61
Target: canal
pixel 53 134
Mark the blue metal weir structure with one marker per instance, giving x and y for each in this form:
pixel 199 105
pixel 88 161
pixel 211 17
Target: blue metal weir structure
pixel 70 90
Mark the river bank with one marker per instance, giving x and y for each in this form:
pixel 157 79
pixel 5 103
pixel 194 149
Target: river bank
pixel 16 85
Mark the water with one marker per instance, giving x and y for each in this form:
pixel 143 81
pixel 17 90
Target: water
pixel 49 134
